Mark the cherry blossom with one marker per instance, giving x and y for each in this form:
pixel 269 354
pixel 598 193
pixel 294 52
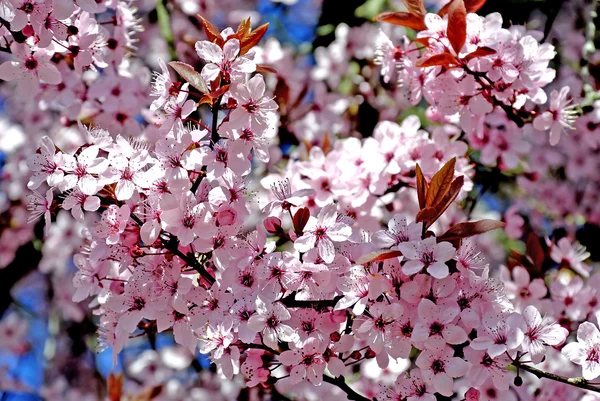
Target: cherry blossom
pixel 322 232
pixel 427 254
pixel 586 351
pixel 307 363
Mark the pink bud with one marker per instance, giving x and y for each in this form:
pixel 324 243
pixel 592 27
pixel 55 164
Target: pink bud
pixel 226 215
pixel 433 114
pixel 273 225
pixel 472 394
pixel 28 31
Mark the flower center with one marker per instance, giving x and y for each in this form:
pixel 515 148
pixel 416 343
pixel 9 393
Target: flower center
pixel 188 221
pixel 31 63
pixel 438 366
pixel 435 328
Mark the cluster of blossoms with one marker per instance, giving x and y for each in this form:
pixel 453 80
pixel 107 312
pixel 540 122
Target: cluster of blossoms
pixel 473 68
pixel 172 250
pixel 188 213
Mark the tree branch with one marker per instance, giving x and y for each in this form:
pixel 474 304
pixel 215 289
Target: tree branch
pixel 341 383
pixel 172 245
pixel 579 382
pixel 291 302
pixel 214 138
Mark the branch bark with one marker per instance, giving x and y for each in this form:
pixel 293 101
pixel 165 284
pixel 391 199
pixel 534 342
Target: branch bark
pixel 341 383
pixel 579 382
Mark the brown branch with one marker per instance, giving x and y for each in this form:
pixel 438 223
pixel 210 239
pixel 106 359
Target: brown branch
pixel 172 245
pixel 579 382
pixel 341 383
pixel 291 302
pixel 511 113
pixel 214 138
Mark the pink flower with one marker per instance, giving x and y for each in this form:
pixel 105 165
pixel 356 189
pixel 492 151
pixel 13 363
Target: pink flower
pixel 413 387
pixel 356 289
pixel 322 232
pixel 224 61
pixel 269 319
pixel 127 165
pixel 252 102
pixel 560 115
pixel 247 135
pixel 217 339
pixel 133 305
pixel 177 109
pixel 522 290
pixel 189 220
pixel 163 88
pixel 483 366
pixel 571 255
pixel 586 351
pixel 113 223
pixel 439 367
pixel 285 198
pixel 32 68
pixel 377 327
pixel 398 231
pixel 46 165
pixel 496 335
pixel 514 222
pixel 76 200
pixel 540 333
pixel 83 169
pixel 178 317
pixel 40 206
pixel 435 326
pixel 387 55
pixel 308 362
pixel 427 254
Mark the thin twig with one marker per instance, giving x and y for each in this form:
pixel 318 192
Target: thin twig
pixel 579 382
pixel 172 244
pixel 341 383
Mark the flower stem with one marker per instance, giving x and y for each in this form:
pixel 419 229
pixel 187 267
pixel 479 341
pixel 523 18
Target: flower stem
pixel 540 374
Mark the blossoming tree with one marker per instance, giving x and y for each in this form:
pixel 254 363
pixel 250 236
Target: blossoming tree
pixel 234 200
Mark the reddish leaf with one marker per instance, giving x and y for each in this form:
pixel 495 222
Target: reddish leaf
pixel 468 229
pixel 205 100
pixel 378 256
pixel 445 59
pixel 422 41
pixel 415 6
pixel 300 219
pixel 307 145
pixel 421 186
pixel 480 52
pixel 212 32
pixel 535 252
pixel 265 68
pixel 326 144
pixel 408 20
pixel 192 76
pixel 115 387
pixel 244 28
pixel 250 40
pixel 474 5
pixel 440 183
pixel 426 215
pixel 219 92
pixel 446 200
pixel 457 24
pixel 282 95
